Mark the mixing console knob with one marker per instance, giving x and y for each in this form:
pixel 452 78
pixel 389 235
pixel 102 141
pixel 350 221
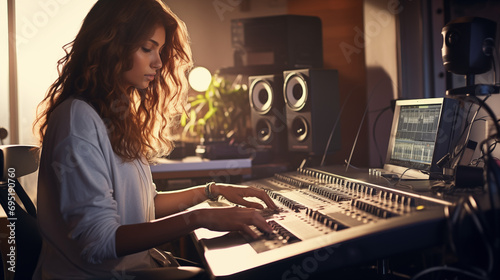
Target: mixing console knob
pixel 334 226
pixel 321 218
pixel 368 190
pixel 391 197
pixel 369 208
pixel 327 222
pixel 410 202
pixel 386 195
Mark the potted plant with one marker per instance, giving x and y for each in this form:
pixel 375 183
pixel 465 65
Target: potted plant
pixel 219 117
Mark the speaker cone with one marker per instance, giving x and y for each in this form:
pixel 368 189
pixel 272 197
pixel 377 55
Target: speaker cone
pixel 261 96
pixel 300 128
pixel 264 130
pixel 295 91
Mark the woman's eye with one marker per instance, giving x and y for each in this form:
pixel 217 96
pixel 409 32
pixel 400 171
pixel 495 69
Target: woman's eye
pixel 146 49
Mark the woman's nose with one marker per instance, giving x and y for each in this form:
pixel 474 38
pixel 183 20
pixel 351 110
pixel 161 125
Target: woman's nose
pixel 156 63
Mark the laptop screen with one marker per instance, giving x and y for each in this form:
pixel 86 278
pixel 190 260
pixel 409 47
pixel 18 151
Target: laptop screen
pixel 420 136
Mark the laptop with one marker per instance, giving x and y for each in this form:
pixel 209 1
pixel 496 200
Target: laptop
pixel 423 132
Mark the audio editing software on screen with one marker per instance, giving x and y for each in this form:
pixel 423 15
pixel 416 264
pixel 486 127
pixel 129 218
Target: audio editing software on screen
pixel 416 133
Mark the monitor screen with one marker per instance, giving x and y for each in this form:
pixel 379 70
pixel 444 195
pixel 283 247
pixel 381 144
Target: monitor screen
pixel 423 131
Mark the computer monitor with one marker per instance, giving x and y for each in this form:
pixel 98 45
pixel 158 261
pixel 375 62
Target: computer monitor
pixel 423 131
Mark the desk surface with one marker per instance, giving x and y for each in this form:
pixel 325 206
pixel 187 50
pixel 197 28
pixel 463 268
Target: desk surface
pixel 199 167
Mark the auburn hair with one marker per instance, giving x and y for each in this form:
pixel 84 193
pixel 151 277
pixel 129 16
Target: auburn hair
pixel 138 120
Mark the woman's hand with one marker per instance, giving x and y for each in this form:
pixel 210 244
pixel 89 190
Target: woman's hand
pixel 236 194
pixel 232 219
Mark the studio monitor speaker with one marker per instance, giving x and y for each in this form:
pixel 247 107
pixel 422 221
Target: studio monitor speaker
pixel 268 112
pixel 312 106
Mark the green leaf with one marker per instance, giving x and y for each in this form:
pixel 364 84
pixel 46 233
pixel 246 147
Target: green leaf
pixel 183 119
pixel 210 113
pixel 198 101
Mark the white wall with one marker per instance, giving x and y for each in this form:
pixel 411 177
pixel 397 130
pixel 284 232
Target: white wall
pixel 42 28
pixel 4 68
pixel 209 22
pixel 382 73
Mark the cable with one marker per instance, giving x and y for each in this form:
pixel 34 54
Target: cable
pixel 492 171
pixel 491 184
pixel 402 174
pixel 489 111
pixel 375 130
pixel 467 124
pixel 454 220
pixel 451 269
pixel 467 206
pixel 468 127
pixel 334 129
pixel 361 125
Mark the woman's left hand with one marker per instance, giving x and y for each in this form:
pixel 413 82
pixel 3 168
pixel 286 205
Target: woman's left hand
pixel 236 194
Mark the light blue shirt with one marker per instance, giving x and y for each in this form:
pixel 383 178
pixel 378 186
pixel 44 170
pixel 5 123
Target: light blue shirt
pixel 85 192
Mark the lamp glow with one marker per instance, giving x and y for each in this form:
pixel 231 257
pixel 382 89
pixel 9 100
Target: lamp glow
pixel 199 78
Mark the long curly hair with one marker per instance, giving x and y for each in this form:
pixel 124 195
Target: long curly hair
pixel 138 120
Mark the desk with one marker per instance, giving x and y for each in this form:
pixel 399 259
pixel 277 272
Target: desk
pixel 196 167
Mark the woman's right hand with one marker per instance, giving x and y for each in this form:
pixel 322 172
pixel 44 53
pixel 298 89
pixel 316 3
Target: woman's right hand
pixel 232 219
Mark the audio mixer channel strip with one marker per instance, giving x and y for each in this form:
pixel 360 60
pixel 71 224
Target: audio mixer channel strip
pixel 326 221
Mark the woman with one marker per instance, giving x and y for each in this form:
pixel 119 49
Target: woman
pixel 121 87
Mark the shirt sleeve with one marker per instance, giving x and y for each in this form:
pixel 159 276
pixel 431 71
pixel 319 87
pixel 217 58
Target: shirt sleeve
pixel 86 197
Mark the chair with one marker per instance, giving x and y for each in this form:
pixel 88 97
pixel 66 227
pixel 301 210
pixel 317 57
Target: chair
pixel 19 258
pixel 20 160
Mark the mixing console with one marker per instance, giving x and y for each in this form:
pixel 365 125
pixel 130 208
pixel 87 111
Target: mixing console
pixel 327 220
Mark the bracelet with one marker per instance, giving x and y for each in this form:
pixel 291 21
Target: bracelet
pixel 208 192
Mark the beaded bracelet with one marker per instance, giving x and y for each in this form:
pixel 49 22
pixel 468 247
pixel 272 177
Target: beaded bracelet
pixel 208 192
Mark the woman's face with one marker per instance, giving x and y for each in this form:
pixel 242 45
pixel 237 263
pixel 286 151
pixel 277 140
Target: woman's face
pixel 146 61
